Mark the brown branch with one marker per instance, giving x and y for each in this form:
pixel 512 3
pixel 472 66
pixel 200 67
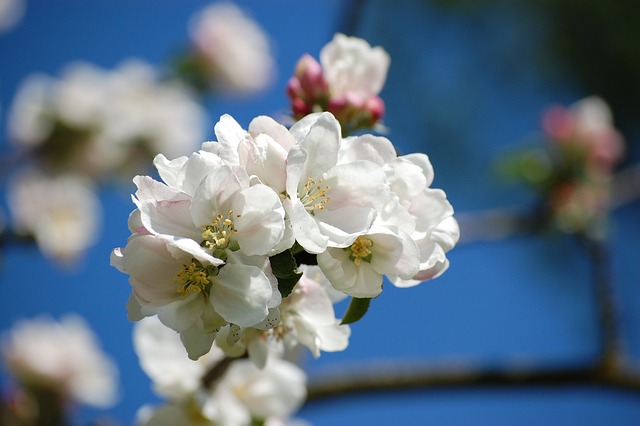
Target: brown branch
pixel 608 317
pixel 377 378
pixel 216 372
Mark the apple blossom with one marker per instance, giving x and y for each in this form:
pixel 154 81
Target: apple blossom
pixel 163 358
pixel 99 122
pixel 308 317
pixel 358 269
pixel 62 213
pixel 242 394
pixel 586 125
pixel 305 317
pixel 414 226
pixel 199 261
pixel 262 150
pixel 574 171
pixel 347 82
pixel 232 49
pixel 61 356
pixel 329 204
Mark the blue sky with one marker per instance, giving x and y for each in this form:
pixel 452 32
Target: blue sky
pixel 525 299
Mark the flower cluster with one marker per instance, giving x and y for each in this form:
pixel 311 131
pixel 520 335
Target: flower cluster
pixel 99 122
pixel 213 247
pixel 242 394
pixel 574 171
pixel 346 82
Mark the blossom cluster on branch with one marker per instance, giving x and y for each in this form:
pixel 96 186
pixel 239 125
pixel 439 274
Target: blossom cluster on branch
pixel 572 172
pixel 243 247
pixel 214 245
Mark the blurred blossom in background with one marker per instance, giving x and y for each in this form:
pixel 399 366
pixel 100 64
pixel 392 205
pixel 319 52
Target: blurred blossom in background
pixel 102 123
pixel 62 213
pixel 231 53
pixel 11 12
pixel 63 358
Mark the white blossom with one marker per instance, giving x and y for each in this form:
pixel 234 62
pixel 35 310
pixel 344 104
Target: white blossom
pixel 353 69
pixel 199 261
pixel 247 391
pixel 99 121
pixel 241 394
pixel 415 216
pixel 235 49
pixel 164 359
pixel 329 204
pixel 262 150
pixel 62 213
pixel 308 317
pixel 305 317
pixel 64 356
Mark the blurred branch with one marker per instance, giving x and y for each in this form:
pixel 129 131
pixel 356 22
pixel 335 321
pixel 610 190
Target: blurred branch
pixel 216 372
pixel 608 370
pixel 394 377
pixel 626 186
pixel 611 342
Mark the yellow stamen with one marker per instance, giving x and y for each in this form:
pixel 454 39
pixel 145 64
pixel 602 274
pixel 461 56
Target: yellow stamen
pixel 217 235
pixel 192 278
pixel 315 195
pixel 360 250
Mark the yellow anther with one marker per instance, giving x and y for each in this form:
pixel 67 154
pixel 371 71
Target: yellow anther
pixel 315 195
pixel 217 235
pixel 360 250
pixel 192 278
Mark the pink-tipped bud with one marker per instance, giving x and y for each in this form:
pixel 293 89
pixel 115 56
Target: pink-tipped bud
pixel 558 123
pixel 300 108
pixel 375 107
pixel 309 74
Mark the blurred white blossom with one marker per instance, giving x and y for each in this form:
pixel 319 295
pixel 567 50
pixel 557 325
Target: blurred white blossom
pixel 233 48
pixel 587 125
pixel 11 12
pixel 242 393
pixel 101 122
pixel 62 356
pixel 62 213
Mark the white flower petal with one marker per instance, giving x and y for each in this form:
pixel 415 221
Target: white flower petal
pixel 240 294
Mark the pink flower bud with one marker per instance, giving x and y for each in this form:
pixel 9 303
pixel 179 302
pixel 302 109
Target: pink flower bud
pixel 375 107
pixel 558 123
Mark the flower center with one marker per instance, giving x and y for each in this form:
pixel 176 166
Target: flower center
pixel 360 250
pixel 217 236
pixel 194 277
pixel 315 196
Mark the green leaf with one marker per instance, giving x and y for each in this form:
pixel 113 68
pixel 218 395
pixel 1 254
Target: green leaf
pixel 284 267
pixel 356 310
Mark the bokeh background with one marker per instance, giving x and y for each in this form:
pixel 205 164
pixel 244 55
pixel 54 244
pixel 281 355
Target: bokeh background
pixel 467 84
